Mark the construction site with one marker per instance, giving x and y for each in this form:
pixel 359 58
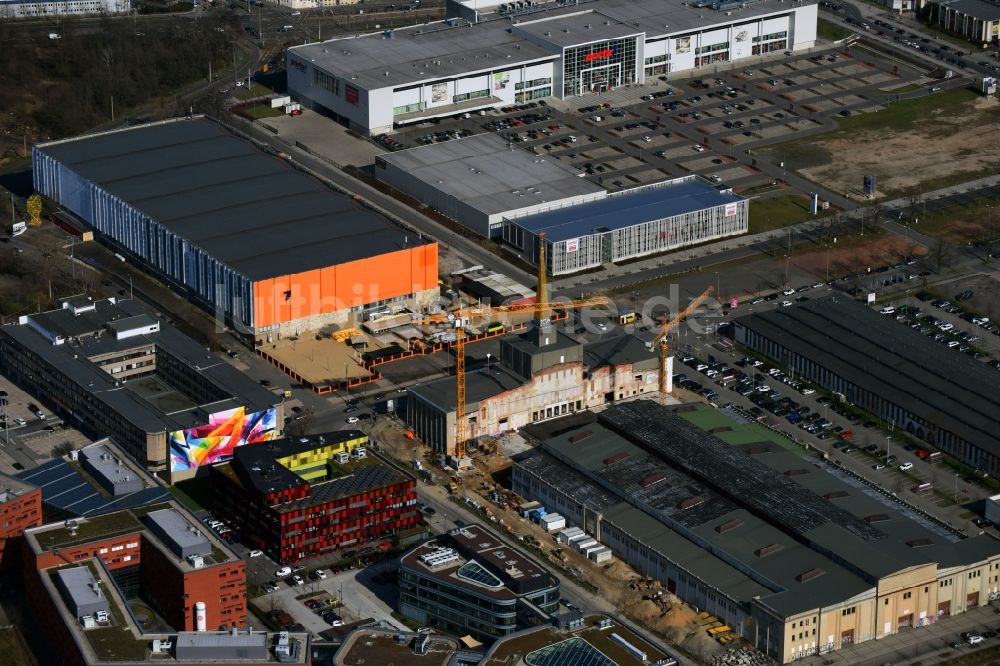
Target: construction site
pixel 483 489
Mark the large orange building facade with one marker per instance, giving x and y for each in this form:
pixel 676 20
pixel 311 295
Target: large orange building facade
pixel 238 230
pixel 310 298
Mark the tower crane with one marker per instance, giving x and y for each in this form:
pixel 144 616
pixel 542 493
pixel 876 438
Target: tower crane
pixel 460 317
pixel 542 307
pixel 662 338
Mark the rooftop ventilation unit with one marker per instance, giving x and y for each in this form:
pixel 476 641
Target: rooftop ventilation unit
pixel 439 557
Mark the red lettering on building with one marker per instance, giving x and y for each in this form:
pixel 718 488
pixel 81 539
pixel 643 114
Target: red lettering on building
pixel 599 55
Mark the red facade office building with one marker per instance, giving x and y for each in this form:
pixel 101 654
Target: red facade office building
pixel 20 508
pixel 156 555
pixel 302 498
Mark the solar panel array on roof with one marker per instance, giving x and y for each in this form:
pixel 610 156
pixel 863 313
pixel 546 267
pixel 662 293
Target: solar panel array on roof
pixel 365 477
pixel 725 468
pixel 65 489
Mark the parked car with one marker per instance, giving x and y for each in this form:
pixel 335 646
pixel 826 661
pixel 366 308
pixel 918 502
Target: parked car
pixel 255 553
pixel 906 467
pixel 283 572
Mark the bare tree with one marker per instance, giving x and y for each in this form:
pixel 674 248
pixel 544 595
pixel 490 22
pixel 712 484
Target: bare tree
pixel 299 425
pixel 62 449
pixel 941 254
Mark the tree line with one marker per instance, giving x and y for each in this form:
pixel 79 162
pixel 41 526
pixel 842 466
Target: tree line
pixel 62 87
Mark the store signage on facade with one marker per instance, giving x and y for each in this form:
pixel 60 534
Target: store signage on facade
pixel 599 55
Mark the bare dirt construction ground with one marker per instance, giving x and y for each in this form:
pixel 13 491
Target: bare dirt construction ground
pixel 856 255
pixel 903 151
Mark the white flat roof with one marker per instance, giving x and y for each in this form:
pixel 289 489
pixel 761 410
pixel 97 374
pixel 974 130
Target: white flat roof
pixel 438 50
pixel 492 176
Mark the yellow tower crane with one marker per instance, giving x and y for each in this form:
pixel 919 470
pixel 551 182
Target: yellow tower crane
pixel 460 318
pixel 662 338
pixel 542 307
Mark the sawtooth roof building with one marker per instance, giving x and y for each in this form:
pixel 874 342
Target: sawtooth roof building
pixel 236 230
pixel 791 554
pixel 379 81
pixel 905 378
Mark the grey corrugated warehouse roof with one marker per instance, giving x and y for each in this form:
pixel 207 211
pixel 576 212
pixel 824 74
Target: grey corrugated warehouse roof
pixel 436 51
pixel 249 210
pixel 869 532
pixel 725 527
pixel 494 177
pixel 953 391
pixel 679 515
pixel 628 208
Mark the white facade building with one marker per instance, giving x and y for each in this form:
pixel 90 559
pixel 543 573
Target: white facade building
pixel 629 224
pixel 379 81
pixel 482 180
pixel 36 8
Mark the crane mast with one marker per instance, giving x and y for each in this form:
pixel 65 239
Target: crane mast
pixel 663 338
pixel 542 307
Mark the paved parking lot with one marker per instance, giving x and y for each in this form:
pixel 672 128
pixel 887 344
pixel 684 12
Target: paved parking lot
pixel 856 454
pixel 639 134
pixel 26 440
pixel 369 592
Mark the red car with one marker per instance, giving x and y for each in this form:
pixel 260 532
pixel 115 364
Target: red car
pixel 313 603
pixel 847 434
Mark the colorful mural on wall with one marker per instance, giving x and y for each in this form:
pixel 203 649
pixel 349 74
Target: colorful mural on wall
pixel 215 441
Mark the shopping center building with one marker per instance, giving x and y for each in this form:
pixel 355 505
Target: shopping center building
pixel 379 81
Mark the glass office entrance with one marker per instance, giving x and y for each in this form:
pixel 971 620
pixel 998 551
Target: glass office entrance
pixel 599 67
